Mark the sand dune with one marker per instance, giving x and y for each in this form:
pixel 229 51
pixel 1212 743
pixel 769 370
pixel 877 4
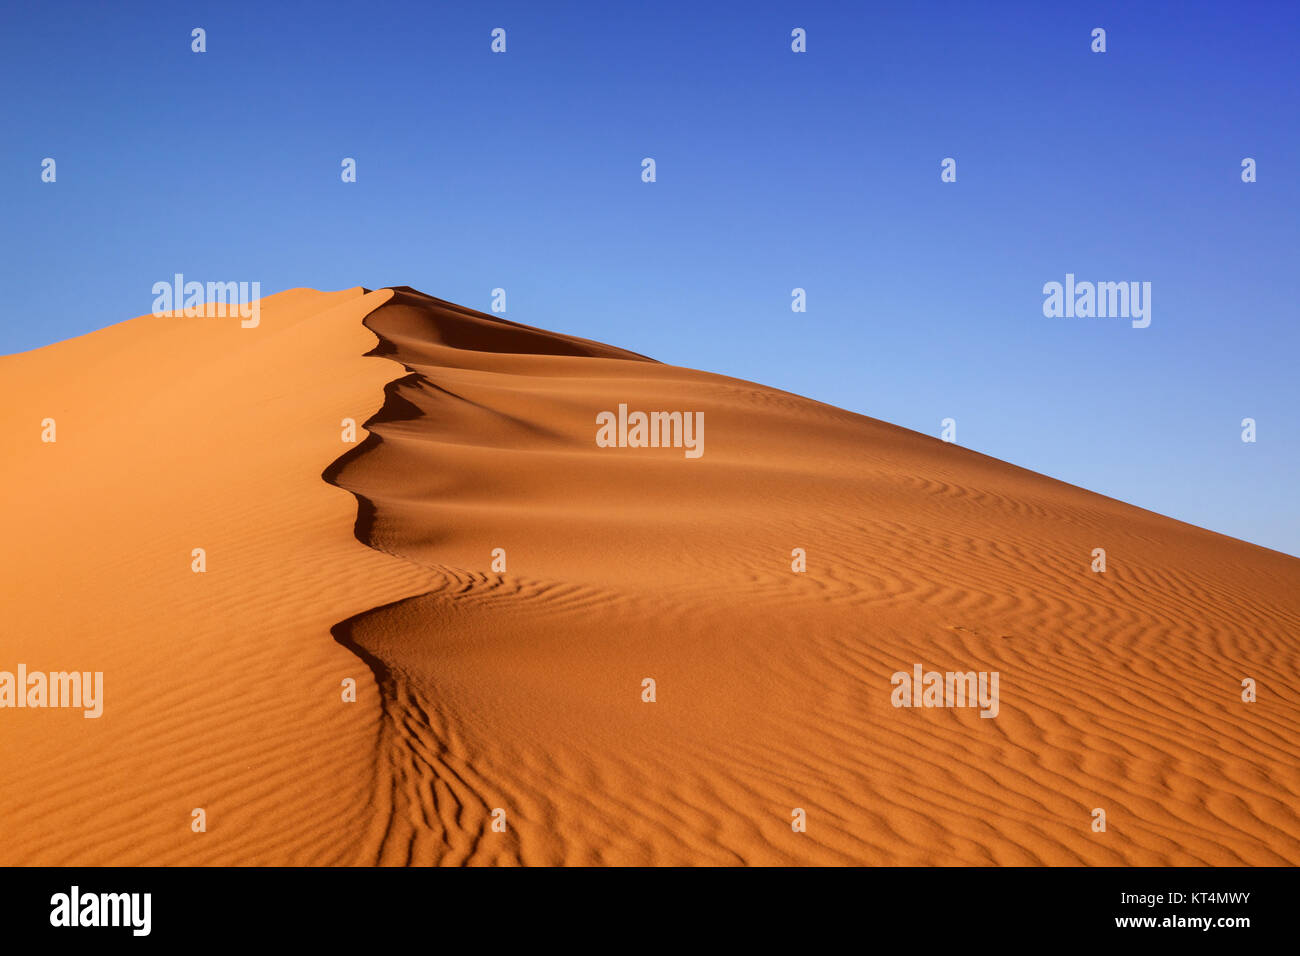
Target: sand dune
pixel 520 689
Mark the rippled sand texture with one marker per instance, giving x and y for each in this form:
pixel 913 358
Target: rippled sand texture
pixel 521 690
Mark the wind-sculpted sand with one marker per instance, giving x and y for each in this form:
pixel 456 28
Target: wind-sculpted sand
pixel 501 586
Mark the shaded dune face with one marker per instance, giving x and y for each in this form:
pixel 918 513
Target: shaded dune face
pixel 521 690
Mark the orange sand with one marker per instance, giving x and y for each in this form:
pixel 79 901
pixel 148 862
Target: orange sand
pixel 522 690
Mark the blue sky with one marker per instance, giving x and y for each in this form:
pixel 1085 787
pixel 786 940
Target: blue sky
pixel 775 170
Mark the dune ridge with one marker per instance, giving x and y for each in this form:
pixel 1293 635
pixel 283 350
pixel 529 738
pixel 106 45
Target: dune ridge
pixel 520 690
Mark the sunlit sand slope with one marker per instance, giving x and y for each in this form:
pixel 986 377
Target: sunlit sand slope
pixel 222 690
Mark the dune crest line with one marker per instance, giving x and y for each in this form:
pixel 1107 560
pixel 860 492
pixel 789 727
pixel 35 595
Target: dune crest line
pixel 411 748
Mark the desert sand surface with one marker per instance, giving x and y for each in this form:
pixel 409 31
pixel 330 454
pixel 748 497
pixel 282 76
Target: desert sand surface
pixel 500 587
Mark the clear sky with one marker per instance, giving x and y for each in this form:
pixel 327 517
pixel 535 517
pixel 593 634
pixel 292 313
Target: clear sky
pixel 775 170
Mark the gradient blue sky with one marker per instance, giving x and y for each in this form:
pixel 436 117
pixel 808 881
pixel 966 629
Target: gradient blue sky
pixel 775 170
